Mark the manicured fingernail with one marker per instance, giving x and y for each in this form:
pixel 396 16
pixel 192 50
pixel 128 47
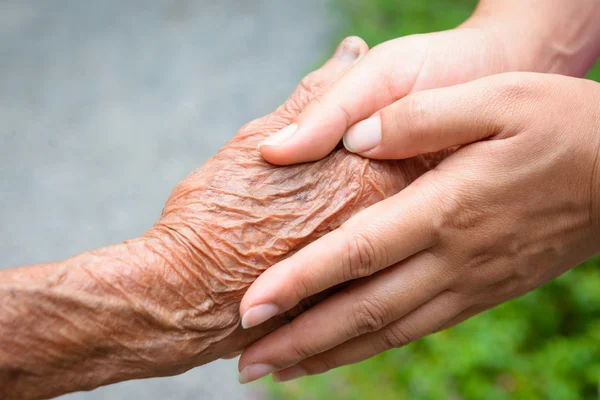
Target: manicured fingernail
pixel 258 314
pixel 289 374
pixel 281 136
pixel 363 136
pixel 255 371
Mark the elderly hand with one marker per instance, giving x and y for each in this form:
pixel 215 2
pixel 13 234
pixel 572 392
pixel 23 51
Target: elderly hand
pixel 516 206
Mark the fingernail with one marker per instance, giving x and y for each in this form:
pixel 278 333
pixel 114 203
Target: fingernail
pixel 348 50
pixel 255 371
pixel 258 314
pixel 363 136
pixel 289 374
pixel 281 136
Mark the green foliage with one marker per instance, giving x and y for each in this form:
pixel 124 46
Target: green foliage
pixel 541 346
pixel 594 74
pixel 379 20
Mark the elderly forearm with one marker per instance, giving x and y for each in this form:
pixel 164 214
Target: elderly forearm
pixel 558 36
pixel 101 317
pixel 169 301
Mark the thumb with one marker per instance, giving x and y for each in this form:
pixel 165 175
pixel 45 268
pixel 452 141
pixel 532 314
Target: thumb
pixel 313 85
pixel 438 119
pixel 361 91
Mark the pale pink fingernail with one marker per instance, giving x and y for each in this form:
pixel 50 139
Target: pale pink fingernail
pixel 289 374
pixel 258 314
pixel 363 136
pixel 255 371
pixel 281 136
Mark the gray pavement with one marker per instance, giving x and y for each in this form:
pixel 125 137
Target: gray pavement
pixel 106 105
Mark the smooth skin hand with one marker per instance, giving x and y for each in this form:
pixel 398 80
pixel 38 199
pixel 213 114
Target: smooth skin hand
pixel 501 36
pixel 493 221
pixel 517 205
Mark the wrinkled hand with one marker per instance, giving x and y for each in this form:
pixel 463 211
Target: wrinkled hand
pixel 516 206
pixel 238 215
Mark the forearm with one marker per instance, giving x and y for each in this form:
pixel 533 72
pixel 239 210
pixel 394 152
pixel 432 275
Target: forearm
pixel 101 317
pixel 558 36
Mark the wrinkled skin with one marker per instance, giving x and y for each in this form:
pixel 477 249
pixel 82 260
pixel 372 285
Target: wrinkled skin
pixel 237 215
pixel 169 301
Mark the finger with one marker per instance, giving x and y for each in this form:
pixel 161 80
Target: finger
pixel 419 323
pixel 231 356
pixel 365 307
pixel 380 236
pixel 312 86
pixel 363 90
pixel 348 53
pixel 438 119
pixel 465 315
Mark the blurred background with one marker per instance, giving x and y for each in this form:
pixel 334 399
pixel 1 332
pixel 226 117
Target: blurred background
pixel 105 106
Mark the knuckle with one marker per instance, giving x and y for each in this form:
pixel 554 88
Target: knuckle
pixel 345 115
pixel 514 86
pixel 525 278
pixel 300 352
pixel 461 215
pixel 369 316
pixel 298 348
pixel 507 94
pixel 311 83
pixel 311 89
pixel 457 209
pixel 320 365
pixel 395 337
pixel 360 257
pixel 413 122
pixel 478 261
pixel 302 287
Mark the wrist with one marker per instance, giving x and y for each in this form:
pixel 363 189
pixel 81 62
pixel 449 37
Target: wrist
pixel 539 36
pixel 203 307
pixel 209 287
pixel 106 316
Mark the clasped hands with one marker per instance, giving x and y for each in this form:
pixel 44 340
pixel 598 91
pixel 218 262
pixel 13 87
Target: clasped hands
pixel 471 184
pixel 516 204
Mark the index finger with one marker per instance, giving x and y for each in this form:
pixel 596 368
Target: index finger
pixel 382 235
